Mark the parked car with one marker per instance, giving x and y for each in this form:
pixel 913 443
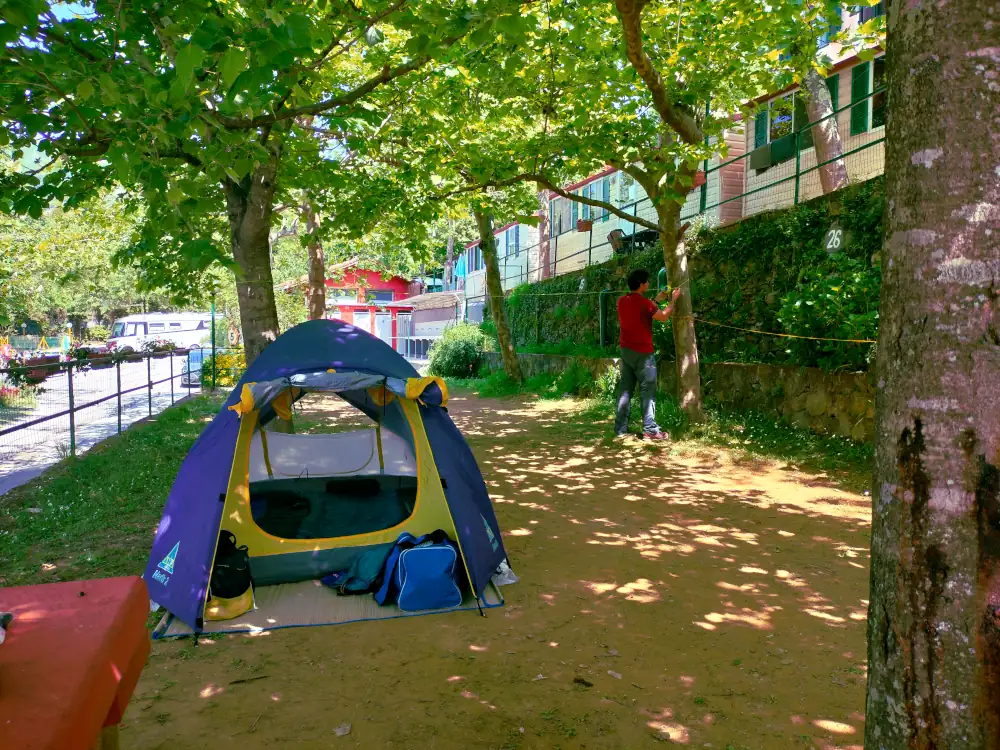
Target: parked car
pixel 183 329
pixel 191 372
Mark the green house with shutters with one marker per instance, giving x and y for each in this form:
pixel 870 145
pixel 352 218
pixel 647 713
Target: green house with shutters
pixel 781 166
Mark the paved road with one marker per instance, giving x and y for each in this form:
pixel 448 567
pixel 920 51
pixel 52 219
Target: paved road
pixel 27 452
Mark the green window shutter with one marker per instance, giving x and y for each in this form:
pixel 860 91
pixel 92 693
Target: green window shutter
pixel 859 93
pixel 760 129
pixel 606 196
pixel 575 214
pixel 833 86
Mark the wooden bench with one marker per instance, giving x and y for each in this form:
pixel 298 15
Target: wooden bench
pixel 71 660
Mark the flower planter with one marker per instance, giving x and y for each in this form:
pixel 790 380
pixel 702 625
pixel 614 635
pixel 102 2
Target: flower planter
pixel 99 360
pixel 37 375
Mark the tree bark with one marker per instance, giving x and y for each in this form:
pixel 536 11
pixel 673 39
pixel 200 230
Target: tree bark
pixel 934 616
pixel 494 291
pixel 826 134
pixel 675 260
pixel 544 223
pixel 317 265
pixel 449 263
pixel 249 204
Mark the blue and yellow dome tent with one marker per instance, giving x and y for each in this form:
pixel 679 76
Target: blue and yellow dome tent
pixel 426 475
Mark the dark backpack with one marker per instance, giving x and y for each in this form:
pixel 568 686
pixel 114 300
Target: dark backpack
pixel 231 571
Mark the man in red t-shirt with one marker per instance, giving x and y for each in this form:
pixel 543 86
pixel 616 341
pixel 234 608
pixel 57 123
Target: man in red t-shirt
pixel 636 314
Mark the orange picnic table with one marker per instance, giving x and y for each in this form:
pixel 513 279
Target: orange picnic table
pixel 72 657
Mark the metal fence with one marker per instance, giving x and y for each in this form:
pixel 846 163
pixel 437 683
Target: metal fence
pixel 50 410
pixel 780 184
pixel 415 348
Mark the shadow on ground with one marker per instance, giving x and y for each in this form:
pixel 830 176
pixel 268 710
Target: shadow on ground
pixel 665 595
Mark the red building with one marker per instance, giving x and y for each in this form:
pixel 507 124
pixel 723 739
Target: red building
pixel 360 297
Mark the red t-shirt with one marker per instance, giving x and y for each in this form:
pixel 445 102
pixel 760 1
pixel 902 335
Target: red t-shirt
pixel 635 319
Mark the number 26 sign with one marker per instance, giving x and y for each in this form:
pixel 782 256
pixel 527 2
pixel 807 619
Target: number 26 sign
pixel 834 241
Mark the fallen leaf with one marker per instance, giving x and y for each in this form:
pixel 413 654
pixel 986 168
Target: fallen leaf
pixel 343 730
pixel 614 674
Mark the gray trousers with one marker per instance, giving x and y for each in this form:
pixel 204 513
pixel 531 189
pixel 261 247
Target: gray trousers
pixel 636 369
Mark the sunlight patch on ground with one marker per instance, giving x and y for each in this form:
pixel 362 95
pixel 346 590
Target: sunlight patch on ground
pixel 837 727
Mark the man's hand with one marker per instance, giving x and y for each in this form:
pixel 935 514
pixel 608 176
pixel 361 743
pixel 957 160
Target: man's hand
pixel 662 296
pixel 675 295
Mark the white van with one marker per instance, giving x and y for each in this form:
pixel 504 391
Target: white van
pixel 184 329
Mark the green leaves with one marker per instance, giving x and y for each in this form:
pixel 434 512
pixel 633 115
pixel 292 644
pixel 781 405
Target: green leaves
pixel 373 36
pixel 85 89
pixel 233 62
pixel 188 58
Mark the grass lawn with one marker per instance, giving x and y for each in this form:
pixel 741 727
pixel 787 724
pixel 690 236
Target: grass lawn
pixel 94 516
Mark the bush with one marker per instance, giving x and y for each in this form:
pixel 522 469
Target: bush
pixel 606 385
pixel 229 367
pixel 842 304
pixel 98 333
pixel 459 352
pixel 576 380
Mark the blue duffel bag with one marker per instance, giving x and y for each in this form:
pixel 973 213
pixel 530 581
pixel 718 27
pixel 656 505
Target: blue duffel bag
pixel 420 574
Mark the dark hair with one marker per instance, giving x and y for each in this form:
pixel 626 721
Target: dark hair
pixel 637 278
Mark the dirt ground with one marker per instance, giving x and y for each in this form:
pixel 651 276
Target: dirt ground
pixel 667 595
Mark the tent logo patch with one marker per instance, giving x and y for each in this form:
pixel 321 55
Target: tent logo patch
pixel 167 563
pixel 489 532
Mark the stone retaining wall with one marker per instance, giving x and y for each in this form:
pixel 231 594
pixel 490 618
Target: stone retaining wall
pixel 826 403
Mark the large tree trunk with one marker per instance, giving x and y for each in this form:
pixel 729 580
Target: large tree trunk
pixel 934 616
pixel 544 223
pixel 249 204
pixel 675 260
pixel 317 265
pixel 494 291
pixel 826 135
pixel 449 263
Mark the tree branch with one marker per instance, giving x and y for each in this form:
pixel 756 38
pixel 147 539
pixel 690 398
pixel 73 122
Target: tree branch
pixel 543 181
pixel 333 102
pixel 630 12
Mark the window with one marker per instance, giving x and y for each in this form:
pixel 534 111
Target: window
pixel 868 112
pixel 118 330
pixel 156 328
pixel 511 243
pixel 625 183
pixel 475 259
pixel 175 325
pixel 780 113
pixel 135 329
pixel 342 296
pixel 562 215
pixel 787 114
pixel 868 12
pixel 829 34
pixel 598 190
pixel 379 295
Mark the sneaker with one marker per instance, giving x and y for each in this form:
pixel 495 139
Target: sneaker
pixel 655 436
